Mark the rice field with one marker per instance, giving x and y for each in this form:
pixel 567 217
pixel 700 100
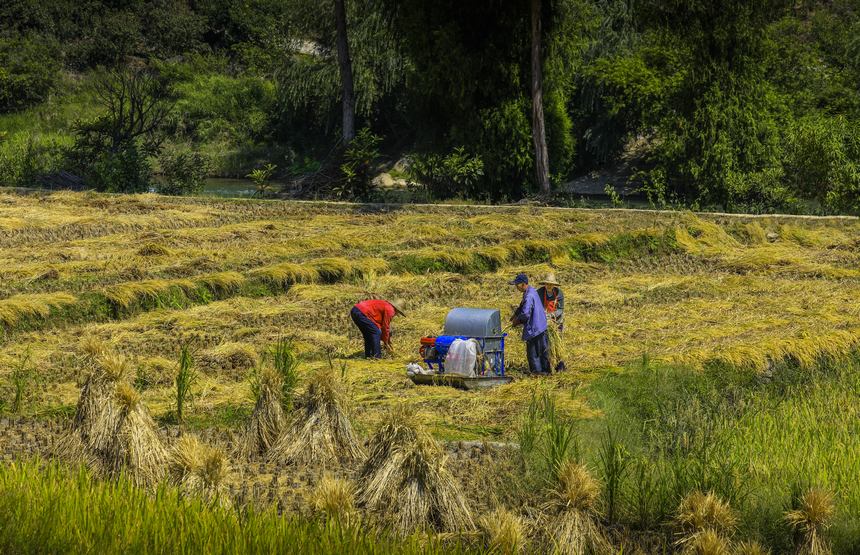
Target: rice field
pixel 145 275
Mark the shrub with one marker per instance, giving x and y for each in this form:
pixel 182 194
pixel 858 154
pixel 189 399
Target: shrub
pixel 29 71
pixel 823 161
pixel 183 173
pixel 357 167
pixel 26 156
pixel 446 176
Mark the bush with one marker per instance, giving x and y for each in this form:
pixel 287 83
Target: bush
pixel 358 164
pixel 183 173
pixel 28 71
pixel 823 161
pixel 446 176
pixel 26 156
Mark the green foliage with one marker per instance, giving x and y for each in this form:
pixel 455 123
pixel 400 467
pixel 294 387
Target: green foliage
pixel 286 363
pixel 359 163
pixel 444 177
pixel 28 71
pixel 63 510
pixel 183 173
pixel 186 378
pixel 261 177
pixel 25 156
pixel 112 152
pixel 25 382
pixel 823 161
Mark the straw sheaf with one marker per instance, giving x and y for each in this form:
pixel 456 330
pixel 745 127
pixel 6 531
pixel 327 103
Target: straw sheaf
pixel 405 482
pixel 321 432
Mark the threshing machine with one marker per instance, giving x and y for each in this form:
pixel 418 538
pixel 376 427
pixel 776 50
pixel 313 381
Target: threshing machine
pixel 469 354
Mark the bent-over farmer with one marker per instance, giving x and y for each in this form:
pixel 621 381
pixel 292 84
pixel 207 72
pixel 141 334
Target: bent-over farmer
pixel 532 317
pixel 373 319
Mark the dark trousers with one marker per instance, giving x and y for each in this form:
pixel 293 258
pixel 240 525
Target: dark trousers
pixel 371 333
pixel 537 351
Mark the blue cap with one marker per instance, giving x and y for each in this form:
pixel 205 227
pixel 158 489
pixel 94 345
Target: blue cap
pixel 521 278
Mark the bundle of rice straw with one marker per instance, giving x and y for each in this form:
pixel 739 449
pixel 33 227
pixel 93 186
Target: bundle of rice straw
pixel 575 527
pixel 136 447
pixel 267 420
pixel 97 412
pixel 334 498
pixel 705 524
pixel 321 432
pixel 199 469
pixel 405 479
pixel 557 349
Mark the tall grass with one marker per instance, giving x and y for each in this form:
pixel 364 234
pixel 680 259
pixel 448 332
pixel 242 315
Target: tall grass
pixel 753 441
pixel 286 362
pixel 186 378
pixel 57 510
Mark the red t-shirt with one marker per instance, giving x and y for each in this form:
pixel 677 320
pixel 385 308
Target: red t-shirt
pixel 380 312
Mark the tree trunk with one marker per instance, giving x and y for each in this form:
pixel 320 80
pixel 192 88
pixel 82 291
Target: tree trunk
pixel 345 72
pixel 538 130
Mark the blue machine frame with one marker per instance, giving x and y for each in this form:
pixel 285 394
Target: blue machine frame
pixel 492 347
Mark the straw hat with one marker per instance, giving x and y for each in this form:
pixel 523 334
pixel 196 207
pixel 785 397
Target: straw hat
pixel 398 306
pixel 549 280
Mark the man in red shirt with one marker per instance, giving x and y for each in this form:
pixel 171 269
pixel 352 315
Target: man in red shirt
pixel 373 319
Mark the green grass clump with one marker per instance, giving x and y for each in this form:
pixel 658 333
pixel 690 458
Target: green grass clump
pixel 57 510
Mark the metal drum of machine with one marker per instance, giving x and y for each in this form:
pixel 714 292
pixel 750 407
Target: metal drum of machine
pixel 470 334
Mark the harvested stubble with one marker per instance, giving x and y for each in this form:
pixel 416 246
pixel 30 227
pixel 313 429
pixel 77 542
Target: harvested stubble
pixel 575 528
pixel 321 432
pixel 268 420
pixel 405 482
pixel 200 470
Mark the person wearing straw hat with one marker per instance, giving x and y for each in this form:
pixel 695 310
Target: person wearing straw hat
pixel 553 299
pixel 373 319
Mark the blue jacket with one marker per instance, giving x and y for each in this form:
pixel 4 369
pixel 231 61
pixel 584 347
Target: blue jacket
pixel 531 314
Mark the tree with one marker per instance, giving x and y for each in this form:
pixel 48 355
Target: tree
pixel 538 130
pixel 345 72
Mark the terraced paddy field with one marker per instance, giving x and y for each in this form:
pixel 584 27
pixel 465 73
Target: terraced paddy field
pixel 704 352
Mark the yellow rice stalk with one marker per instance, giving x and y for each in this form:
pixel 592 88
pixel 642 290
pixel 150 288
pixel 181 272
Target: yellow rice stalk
pixel 706 542
pixel 126 294
pixel 704 522
pixel 37 305
pixel 504 532
pixel 222 282
pixel 332 269
pixel 751 548
pixel 557 349
pixel 404 480
pixel 199 469
pixel 334 498
pixel 153 249
pixel 231 356
pixel 287 273
pixel 321 432
pixel 810 521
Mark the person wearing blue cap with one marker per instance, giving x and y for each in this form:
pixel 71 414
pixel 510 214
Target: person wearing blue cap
pixel 532 317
